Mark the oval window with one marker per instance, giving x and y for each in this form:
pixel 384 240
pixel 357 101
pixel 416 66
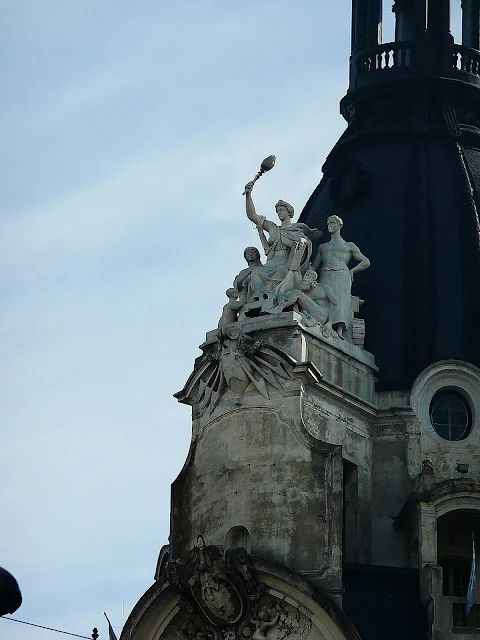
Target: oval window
pixel 450 415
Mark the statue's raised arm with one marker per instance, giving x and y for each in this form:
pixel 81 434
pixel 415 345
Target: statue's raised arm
pixel 288 250
pixel 259 221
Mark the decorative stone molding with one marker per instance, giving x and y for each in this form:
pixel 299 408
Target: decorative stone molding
pixel 223 598
pixel 162 562
pixel 226 601
pixel 281 605
pixel 219 587
pixel 236 361
pixel 452 487
pixel 449 375
pixel 449 495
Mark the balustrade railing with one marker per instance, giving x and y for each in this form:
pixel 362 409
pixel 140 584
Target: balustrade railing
pixel 391 55
pixel 395 56
pixel 465 59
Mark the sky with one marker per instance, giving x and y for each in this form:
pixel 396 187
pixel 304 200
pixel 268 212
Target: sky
pixel 127 133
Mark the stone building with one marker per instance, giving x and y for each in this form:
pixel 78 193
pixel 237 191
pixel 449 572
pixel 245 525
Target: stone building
pixel 332 489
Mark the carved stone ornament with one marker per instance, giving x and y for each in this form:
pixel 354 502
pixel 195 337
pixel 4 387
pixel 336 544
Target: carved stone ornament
pixel 218 586
pixel 277 620
pixel 288 281
pixel 226 602
pixel 235 361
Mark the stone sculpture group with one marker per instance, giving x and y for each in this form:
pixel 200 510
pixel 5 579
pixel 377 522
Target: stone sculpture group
pixel 226 602
pixel 288 279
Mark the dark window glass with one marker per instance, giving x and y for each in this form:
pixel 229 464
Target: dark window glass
pixel 458 614
pixel 442 431
pixel 440 416
pixel 455 578
pixel 459 418
pixel 461 619
pixel 450 415
pixel 461 576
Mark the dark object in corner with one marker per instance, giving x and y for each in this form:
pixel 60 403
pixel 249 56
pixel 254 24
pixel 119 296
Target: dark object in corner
pixel 10 596
pixel 384 598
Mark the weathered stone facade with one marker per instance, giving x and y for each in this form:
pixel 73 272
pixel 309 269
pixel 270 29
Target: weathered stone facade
pixel 322 471
pixel 321 497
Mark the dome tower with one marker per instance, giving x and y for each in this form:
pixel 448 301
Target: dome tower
pixel 325 497
pixel 405 177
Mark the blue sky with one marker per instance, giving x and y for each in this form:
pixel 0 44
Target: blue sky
pixel 128 131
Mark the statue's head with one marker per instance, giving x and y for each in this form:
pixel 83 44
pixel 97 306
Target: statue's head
pixel 309 279
pixel 190 630
pixel 334 223
pixel 263 615
pixel 252 254
pixel 284 210
pixel 232 293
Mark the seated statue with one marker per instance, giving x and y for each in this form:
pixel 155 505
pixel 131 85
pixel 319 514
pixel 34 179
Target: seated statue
pixel 231 309
pixel 242 280
pixel 315 301
pixel 288 250
pixel 287 280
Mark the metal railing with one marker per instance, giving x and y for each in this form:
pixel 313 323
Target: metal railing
pixel 461 619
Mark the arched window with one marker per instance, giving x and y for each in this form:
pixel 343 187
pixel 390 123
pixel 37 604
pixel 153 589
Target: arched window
pixel 238 537
pixel 450 415
pixel 162 562
pixel 454 548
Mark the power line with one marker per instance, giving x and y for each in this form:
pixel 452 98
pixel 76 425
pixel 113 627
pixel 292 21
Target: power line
pixel 67 633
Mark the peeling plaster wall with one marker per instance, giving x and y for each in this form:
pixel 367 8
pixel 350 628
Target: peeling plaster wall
pixel 275 465
pixel 250 468
pixel 390 490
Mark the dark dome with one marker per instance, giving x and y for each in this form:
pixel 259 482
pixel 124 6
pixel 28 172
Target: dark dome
pixel 405 178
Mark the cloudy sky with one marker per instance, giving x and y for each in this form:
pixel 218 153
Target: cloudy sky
pixel 128 130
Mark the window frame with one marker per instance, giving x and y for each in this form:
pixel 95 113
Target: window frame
pixel 448 375
pixel 468 410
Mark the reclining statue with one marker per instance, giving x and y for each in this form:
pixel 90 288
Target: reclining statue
pixel 317 303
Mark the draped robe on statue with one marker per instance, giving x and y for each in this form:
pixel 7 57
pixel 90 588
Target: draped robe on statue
pixel 340 282
pixel 288 256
